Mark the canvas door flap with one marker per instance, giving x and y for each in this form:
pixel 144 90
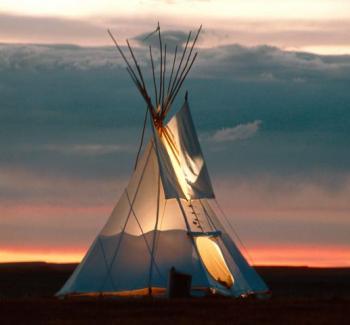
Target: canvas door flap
pixel 184 169
pixel 171 186
pixel 214 261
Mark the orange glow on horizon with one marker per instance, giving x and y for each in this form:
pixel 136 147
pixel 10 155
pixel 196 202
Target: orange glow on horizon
pixel 316 256
pixel 49 256
pixel 313 256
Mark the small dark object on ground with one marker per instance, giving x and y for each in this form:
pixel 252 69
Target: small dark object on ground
pixel 179 285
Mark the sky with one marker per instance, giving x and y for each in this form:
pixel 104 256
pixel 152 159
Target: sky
pixel 319 26
pixel 269 96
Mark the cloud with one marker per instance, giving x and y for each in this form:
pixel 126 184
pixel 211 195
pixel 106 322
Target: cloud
pixel 90 31
pixel 48 29
pixel 286 33
pixel 23 186
pixel 236 62
pixel 36 57
pixel 297 34
pixel 87 149
pixel 170 38
pixel 239 132
pixel 269 210
pixel 268 63
pixel 76 101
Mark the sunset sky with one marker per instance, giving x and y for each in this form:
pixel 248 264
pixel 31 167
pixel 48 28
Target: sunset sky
pixel 270 99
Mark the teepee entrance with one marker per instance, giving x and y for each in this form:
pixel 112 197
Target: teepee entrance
pixel 165 218
pixel 214 261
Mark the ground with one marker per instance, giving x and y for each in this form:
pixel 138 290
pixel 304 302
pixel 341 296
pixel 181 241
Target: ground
pixel 300 296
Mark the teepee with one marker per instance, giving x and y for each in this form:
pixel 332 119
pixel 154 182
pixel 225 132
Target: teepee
pixel 167 217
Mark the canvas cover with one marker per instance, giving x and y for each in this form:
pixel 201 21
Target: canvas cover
pixel 121 256
pixel 165 207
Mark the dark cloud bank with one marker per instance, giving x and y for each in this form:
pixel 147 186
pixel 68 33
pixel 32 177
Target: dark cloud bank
pixel 72 112
pixel 67 95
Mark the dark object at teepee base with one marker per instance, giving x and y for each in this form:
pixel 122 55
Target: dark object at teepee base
pixel 179 284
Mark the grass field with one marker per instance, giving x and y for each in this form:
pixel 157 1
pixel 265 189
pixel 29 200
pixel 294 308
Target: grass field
pixel 300 296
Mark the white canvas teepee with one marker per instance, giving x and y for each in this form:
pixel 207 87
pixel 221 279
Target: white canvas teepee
pixel 165 218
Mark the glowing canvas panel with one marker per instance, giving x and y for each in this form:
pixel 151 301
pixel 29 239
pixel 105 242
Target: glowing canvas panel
pixel 180 143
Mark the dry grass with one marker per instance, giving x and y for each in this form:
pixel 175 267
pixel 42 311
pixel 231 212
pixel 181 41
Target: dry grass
pixel 300 296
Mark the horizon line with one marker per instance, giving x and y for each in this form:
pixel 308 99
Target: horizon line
pixel 260 265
